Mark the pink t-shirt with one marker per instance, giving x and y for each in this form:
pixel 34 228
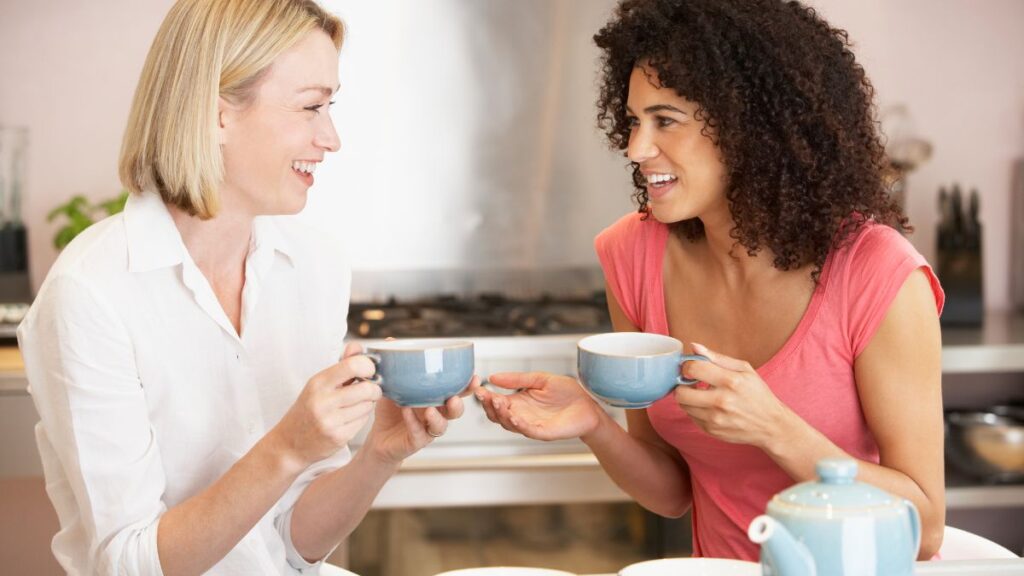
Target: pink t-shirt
pixel 812 373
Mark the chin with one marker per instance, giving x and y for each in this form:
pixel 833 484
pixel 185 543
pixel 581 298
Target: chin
pixel 666 214
pixel 292 205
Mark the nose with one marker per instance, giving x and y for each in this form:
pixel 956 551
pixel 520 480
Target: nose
pixel 641 146
pixel 327 137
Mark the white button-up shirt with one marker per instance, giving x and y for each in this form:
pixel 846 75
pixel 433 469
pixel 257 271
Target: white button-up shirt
pixel 147 394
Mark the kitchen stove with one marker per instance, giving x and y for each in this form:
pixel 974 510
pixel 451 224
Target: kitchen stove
pixel 488 314
pixel 477 462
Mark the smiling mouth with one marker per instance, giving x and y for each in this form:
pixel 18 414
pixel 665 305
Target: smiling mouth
pixel 304 167
pixel 660 182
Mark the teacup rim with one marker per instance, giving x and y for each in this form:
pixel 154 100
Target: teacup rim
pixel 580 345
pixel 416 345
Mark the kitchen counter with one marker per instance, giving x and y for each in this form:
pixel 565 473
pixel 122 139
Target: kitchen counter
pixel 554 472
pixel 12 371
pixel 996 346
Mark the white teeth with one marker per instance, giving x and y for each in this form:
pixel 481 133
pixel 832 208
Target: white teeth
pixel 659 178
pixel 307 167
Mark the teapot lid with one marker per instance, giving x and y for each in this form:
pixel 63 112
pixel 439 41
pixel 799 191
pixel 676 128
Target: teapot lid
pixel 836 492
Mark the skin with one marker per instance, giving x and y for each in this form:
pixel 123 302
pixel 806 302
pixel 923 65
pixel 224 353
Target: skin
pixel 744 309
pixel 287 121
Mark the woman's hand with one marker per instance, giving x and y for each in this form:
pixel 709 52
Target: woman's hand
pixel 334 405
pixel 399 432
pixel 545 406
pixel 736 406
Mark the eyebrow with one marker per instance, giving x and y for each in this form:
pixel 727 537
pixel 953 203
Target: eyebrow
pixel 658 108
pixel 320 88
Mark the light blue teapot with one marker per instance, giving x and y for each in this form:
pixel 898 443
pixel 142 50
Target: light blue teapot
pixel 837 527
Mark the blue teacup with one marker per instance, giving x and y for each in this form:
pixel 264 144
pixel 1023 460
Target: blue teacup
pixel 631 369
pixel 421 373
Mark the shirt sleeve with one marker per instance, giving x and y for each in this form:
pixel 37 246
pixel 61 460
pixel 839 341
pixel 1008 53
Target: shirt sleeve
pixel 880 262
pixel 617 250
pixel 93 413
pixel 285 506
pixel 335 348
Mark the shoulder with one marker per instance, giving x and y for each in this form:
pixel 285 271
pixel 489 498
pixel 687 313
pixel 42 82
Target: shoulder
pixel 98 256
pixel 872 267
pixel 74 293
pixel 630 230
pixel 876 245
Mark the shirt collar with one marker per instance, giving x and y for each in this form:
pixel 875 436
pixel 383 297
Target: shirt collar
pixel 153 239
pixel 155 242
pixel 266 234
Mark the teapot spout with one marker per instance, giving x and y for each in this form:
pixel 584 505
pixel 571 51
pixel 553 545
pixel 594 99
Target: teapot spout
pixel 781 554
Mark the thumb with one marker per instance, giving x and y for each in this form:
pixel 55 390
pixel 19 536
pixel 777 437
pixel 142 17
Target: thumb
pixel 722 360
pixel 352 349
pixel 519 380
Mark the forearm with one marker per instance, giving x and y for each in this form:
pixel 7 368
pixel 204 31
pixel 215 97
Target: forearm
pixel 655 479
pixel 334 504
pixel 199 532
pixel 799 446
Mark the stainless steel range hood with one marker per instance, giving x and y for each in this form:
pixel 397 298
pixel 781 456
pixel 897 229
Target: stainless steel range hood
pixel 468 139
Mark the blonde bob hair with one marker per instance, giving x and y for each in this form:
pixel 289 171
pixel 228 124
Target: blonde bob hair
pixel 205 50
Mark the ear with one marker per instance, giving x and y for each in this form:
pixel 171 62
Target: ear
pixel 225 118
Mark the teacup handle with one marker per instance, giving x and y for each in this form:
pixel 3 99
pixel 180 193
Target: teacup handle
pixel 375 358
pixel 686 358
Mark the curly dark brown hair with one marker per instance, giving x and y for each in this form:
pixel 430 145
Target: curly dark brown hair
pixel 785 102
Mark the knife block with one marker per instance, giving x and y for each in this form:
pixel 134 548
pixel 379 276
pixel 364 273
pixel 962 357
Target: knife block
pixel 960 271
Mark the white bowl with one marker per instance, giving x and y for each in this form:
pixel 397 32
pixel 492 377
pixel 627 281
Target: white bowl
pixel 692 567
pixel 506 571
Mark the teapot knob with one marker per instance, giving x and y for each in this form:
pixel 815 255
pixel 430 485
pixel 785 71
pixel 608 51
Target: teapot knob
pixel 836 470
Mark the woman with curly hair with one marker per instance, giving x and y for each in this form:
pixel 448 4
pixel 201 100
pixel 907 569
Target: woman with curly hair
pixel 765 232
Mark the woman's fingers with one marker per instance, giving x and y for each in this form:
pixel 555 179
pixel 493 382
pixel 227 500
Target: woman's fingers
pixel 356 393
pixel 474 384
pixel 690 397
pixel 352 349
pixel 453 408
pixel 347 369
pixel 434 422
pixel 727 362
pixel 519 380
pixel 359 411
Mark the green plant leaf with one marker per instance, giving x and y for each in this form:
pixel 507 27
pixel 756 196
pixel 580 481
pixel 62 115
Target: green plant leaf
pixel 115 205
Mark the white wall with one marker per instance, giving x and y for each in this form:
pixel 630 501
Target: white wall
pixel 958 66
pixel 68 70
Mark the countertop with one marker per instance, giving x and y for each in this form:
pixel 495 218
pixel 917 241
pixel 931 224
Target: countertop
pixel 12 371
pixel 996 346
pixel 1002 567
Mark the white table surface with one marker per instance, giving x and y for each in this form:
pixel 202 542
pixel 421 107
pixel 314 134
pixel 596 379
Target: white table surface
pixel 1002 567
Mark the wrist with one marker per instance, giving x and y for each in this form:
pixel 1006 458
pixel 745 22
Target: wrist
pixel 604 423
pixel 785 434
pixel 379 460
pixel 274 448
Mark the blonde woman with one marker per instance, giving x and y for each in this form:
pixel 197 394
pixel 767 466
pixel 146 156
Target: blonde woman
pixel 183 355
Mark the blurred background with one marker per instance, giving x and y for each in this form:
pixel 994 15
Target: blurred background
pixel 468 189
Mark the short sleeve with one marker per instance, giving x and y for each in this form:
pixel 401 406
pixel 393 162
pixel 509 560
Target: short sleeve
pixel 626 253
pixel 879 262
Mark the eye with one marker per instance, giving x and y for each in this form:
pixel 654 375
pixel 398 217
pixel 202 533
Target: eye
pixel 316 107
pixel 665 121
pixel 632 122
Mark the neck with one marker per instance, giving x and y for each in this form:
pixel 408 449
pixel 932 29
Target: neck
pixel 217 244
pixel 726 256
